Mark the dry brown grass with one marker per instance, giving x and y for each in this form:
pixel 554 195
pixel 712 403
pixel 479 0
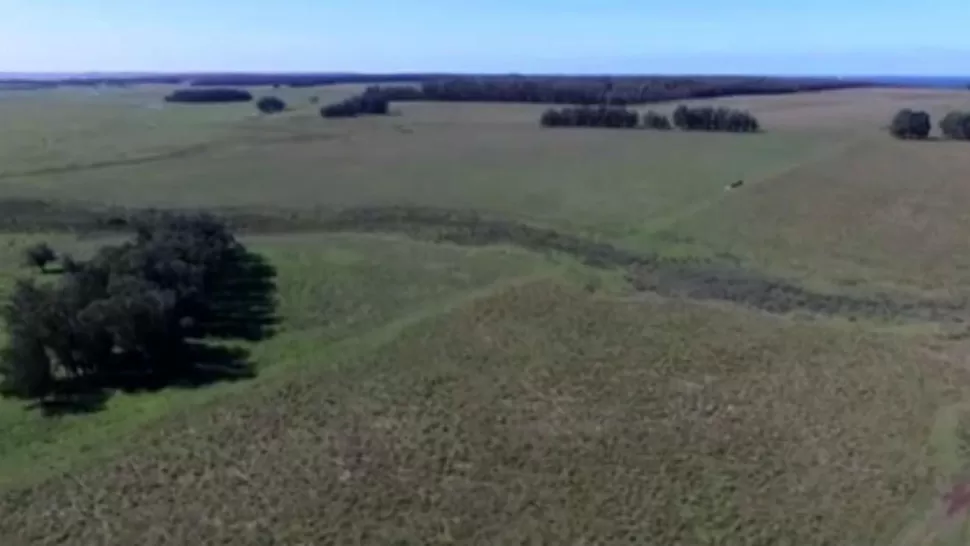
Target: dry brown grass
pixel 539 415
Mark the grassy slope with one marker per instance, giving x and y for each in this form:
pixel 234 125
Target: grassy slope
pixel 386 419
pixel 539 411
pixel 332 288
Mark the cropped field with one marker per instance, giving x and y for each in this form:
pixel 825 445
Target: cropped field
pixel 493 333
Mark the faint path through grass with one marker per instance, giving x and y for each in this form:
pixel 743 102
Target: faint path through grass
pixel 940 519
pixel 91 438
pixel 668 220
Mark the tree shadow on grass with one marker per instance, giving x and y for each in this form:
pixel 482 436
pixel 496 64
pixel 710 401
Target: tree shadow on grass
pixel 71 400
pixel 240 305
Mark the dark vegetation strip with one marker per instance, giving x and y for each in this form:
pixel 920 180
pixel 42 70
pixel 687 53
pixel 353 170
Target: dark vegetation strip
pixel 616 91
pixel 689 277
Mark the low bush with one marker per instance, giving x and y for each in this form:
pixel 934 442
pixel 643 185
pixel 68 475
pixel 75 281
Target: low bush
pixel 270 105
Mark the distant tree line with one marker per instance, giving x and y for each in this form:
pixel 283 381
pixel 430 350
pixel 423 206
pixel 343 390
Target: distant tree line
pixel 127 315
pixel 301 80
pixel 685 118
pixel 617 91
pixel 363 104
pixel 739 85
pixel 209 95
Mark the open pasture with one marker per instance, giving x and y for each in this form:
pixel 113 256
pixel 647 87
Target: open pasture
pixel 423 392
pixel 820 151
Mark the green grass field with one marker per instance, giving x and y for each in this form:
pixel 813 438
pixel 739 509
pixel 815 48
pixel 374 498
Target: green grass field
pixel 793 372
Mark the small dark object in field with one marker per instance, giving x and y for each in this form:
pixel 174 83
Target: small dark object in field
pixel 270 105
pixel 314 100
pixel 737 184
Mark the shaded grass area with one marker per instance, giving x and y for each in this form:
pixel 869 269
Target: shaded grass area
pixel 701 278
pixel 540 414
pixel 331 288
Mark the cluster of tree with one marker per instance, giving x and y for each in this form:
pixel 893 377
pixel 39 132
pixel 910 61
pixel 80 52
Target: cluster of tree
pixel 270 105
pixel 685 118
pixel 617 91
pixel 590 116
pixel 956 125
pixel 209 95
pixel 655 120
pixel 126 315
pixel 707 118
pixel 910 124
pixel 363 104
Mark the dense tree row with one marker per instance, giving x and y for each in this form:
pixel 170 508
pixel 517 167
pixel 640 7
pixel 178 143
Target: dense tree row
pixel 363 104
pixel 707 118
pixel 209 95
pixel 685 118
pixel 603 116
pixel 125 315
pixel 617 91
pixel 590 116
pixel 956 125
pixel 910 124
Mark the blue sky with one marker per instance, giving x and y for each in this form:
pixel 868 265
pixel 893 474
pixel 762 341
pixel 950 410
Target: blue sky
pixel 593 36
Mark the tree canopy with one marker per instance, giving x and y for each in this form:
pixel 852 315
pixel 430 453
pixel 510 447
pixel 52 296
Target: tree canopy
pixel 127 315
pixel 911 124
